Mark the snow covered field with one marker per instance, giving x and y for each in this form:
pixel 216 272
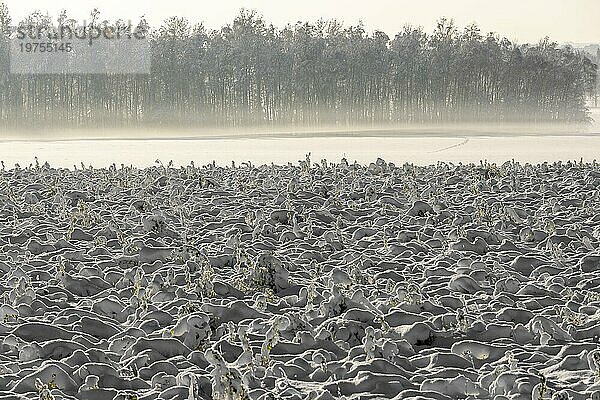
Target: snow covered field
pixel 421 151
pixel 309 280
pixel 306 281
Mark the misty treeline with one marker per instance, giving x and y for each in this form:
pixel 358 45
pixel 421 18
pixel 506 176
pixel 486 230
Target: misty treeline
pixel 251 73
pixel 596 95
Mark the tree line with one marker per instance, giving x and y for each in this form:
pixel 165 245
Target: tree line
pixel 251 73
pixel 595 97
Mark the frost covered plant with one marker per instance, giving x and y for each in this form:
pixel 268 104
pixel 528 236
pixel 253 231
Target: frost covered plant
pixel 241 257
pixel 170 278
pixel 469 356
pixel 311 294
pixel 7 318
pixel 265 350
pixel 82 215
pixel 188 308
pixel 543 387
pixel 386 245
pixel 280 323
pixel 413 293
pixel 188 276
pixel 22 293
pixel 337 303
pixel 338 226
pixel 385 327
pixel 70 230
pixel 369 343
pixel 269 295
pixel 556 252
pixel 145 299
pixel 267 272
pixel 315 270
pixel 87 216
pixel 358 276
pixel 562 395
pixel 462 323
pixel 571 317
pixel 512 361
pixel 396 293
pixel 231 331
pixel 591 297
pixel 120 237
pixel 43 390
pixel 226 381
pixel 260 303
pixel 569 294
pixel 550 227
pixel 250 218
pixel 242 334
pixel 137 281
pixel 309 229
pixel 100 241
pixel 156 224
pixel 204 281
pixel 595 364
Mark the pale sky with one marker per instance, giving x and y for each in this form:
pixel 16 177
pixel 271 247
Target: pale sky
pixel 523 21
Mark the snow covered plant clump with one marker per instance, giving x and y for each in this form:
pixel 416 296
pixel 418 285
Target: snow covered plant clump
pixel 280 323
pixel 205 275
pixel 267 272
pixel 226 379
pixel 43 390
pixel 193 330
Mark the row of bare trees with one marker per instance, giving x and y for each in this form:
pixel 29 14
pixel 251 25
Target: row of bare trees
pixel 595 96
pixel 250 73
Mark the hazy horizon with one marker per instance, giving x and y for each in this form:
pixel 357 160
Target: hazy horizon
pixel 576 21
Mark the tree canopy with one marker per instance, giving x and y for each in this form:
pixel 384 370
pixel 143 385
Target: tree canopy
pixel 251 73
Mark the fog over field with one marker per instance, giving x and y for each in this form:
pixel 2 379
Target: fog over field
pixel 421 145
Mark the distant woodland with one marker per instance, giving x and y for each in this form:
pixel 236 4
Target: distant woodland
pixel 252 73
